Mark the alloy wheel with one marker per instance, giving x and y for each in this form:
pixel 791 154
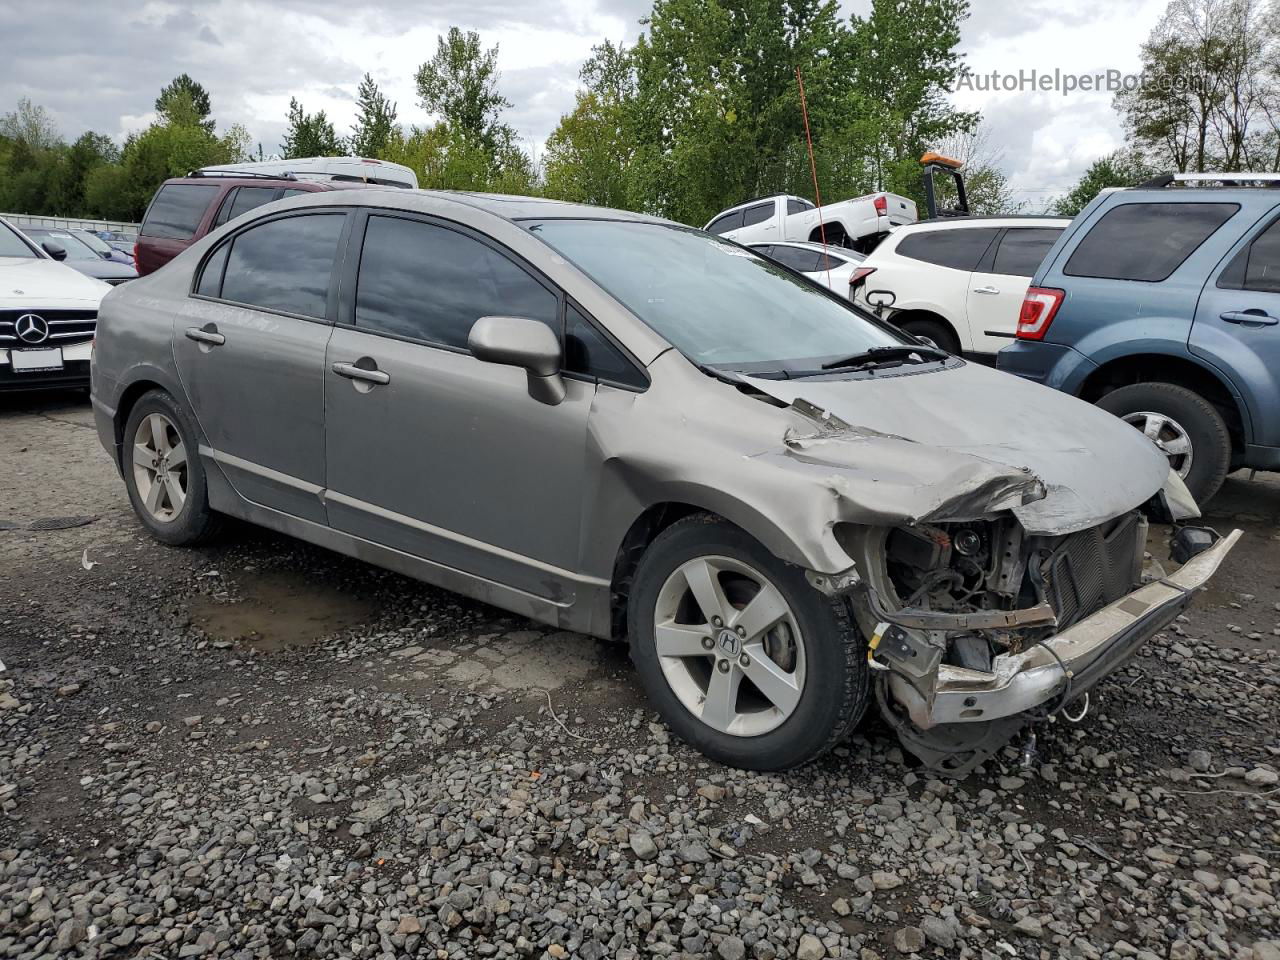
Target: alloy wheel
pixel 729 646
pixel 160 467
pixel 1167 434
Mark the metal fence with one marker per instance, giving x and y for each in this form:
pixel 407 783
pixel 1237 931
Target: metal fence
pixel 71 223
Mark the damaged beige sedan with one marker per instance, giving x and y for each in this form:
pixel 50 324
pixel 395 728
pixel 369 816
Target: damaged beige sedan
pixel 790 511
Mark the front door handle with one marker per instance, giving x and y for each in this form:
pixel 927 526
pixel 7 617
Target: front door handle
pixel 1251 318
pixel 364 374
pixel 987 290
pixel 208 334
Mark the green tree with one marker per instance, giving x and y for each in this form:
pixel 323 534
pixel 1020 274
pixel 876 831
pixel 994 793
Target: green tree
pixel 460 83
pixel 72 170
pixel 1209 88
pixel 1122 168
pixel 310 135
pixel 588 157
pixel 375 120
pixel 185 95
pixel 30 126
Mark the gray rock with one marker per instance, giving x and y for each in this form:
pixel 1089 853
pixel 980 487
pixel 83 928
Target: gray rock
pixel 642 846
pixel 909 940
pixel 810 948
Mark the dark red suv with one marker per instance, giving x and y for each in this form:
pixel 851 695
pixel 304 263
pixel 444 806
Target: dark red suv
pixel 184 209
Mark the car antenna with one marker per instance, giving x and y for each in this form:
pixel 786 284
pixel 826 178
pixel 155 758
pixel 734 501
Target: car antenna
pixel 813 169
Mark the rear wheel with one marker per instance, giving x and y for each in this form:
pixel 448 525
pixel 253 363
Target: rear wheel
pixel 935 331
pixel 738 653
pixel 1186 427
pixel 163 472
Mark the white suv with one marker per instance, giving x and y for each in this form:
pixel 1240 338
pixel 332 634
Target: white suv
pixel 960 282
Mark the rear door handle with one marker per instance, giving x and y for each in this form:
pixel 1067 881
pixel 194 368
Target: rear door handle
pixel 986 290
pixel 363 374
pixel 211 337
pixel 1250 318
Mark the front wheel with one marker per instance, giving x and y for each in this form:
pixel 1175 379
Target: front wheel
pixel 739 654
pixel 1186 427
pixel 935 331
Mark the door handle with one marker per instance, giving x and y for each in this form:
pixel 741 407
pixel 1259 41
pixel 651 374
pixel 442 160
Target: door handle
pixel 987 290
pixel 1250 318
pixel 211 337
pixel 363 374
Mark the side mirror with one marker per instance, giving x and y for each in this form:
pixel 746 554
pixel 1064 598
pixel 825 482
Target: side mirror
pixel 521 342
pixel 55 250
pixel 881 298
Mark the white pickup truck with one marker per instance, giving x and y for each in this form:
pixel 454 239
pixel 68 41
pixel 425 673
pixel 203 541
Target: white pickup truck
pixel 859 224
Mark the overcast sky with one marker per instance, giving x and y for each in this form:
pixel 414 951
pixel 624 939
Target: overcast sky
pixel 99 65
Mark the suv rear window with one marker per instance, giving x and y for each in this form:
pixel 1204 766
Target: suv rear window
pixel 1257 266
pixel 177 210
pixel 1146 241
pixel 959 249
pixel 1022 249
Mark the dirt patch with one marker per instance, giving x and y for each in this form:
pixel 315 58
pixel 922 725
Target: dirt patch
pixel 279 611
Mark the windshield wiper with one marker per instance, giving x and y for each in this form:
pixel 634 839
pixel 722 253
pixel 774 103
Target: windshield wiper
pixel 879 356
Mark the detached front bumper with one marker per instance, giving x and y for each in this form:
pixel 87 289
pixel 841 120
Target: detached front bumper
pixel 1089 650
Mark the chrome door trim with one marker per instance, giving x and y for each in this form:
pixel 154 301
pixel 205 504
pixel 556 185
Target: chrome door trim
pixel 431 529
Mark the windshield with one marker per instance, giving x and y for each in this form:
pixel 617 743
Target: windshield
pixel 94 243
pixel 716 302
pixel 12 245
pixel 75 247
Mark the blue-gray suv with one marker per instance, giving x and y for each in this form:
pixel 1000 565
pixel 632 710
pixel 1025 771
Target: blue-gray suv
pixel 1161 304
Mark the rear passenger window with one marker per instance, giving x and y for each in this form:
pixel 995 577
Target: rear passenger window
pixel 589 352
pixel 177 210
pixel 244 199
pixel 210 284
pixel 797 206
pixel 430 283
pixel 284 264
pixel 959 249
pixel 1022 249
pixel 1146 241
pixel 757 214
pixel 805 261
pixel 730 221
pixel 1257 266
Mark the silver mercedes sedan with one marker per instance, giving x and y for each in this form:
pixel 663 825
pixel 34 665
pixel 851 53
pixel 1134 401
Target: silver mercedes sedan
pixel 791 512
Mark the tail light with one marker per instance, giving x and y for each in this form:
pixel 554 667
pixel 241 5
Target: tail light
pixel 859 277
pixel 1039 307
pixel 881 203
pixel 135 256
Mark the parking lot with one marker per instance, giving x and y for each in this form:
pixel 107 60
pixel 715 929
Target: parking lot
pixel 258 748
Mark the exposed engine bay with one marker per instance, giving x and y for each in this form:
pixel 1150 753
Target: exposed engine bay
pixel 958 602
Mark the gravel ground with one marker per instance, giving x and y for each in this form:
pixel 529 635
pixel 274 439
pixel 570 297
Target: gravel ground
pixel 260 749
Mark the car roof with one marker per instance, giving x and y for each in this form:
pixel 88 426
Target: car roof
pixel 506 206
pixel 262 181
pixel 995 220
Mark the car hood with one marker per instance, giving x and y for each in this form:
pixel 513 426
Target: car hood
pixel 104 269
pixel 964 441
pixel 27 281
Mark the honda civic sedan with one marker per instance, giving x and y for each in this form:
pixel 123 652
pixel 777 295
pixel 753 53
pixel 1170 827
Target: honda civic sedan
pixel 790 511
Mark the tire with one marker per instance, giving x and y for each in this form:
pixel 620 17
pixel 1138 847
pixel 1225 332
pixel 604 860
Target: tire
pixel 934 330
pixel 191 522
pixel 1191 416
pixel 815 648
